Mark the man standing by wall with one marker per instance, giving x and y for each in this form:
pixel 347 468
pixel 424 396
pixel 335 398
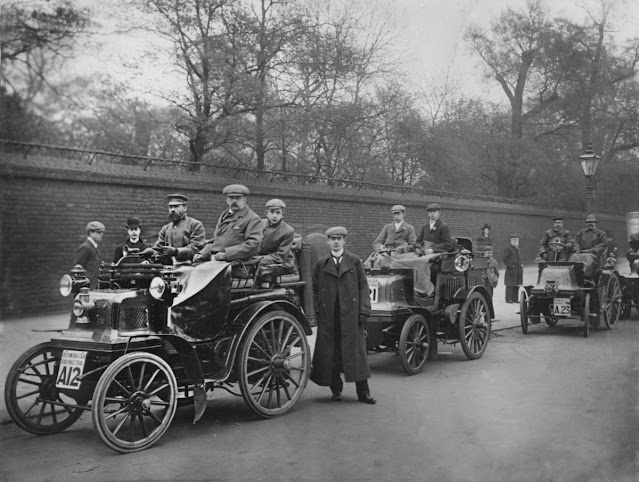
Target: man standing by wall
pixel 514 269
pixel 88 255
pixel 343 299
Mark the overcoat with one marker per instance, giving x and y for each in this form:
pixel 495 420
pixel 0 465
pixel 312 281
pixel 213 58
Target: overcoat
pixel 277 241
pixel 438 238
pixel 89 258
pixel 354 300
pixel 592 241
pixel 482 240
pixel 562 236
pixel 238 235
pixel 187 235
pixel 514 272
pixel 394 238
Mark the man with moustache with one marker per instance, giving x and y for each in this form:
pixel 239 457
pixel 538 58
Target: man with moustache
pixel 133 227
pixel 183 236
pixel 590 244
pixel 557 234
pixel 238 232
pixel 88 255
pixel 276 255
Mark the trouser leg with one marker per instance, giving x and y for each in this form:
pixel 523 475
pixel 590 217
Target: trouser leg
pixel 337 385
pixel 361 388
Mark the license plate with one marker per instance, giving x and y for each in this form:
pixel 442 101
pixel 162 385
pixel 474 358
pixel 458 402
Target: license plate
pixel 373 288
pixel 561 307
pixel 71 367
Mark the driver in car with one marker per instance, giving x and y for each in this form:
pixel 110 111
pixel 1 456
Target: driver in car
pixel 397 235
pixel 556 234
pixel 590 243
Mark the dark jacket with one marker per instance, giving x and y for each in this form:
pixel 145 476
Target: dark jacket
pixel 482 240
pixel 354 300
pixel 237 235
pixel 187 235
pixel 89 258
pixel 514 271
pixel 562 236
pixel 438 239
pixel 119 249
pixel 277 241
pixel 391 238
pixel 591 241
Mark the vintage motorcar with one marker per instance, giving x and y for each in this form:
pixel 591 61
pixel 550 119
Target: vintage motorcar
pixel 630 286
pixel 459 311
pixel 154 335
pixel 564 292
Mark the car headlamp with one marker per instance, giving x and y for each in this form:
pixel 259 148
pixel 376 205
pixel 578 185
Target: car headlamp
pixel 66 285
pixel 78 308
pixel 462 263
pixel 157 288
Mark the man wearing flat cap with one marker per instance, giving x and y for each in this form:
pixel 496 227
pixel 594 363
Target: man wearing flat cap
pixel 276 253
pixel 484 239
pixel 397 235
pixel 556 234
pixel 88 255
pixel 183 236
pixel 133 228
pixel 434 238
pixel 514 269
pixel 589 246
pixel 238 232
pixel 343 305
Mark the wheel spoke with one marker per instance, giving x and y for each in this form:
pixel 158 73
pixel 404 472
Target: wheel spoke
pixel 44 404
pixel 272 333
pixel 117 412
pixel 53 415
pixel 264 387
pixel 148 384
pixel 27 394
pixel 287 375
pixel 258 383
pixel 295 355
pixel 142 375
pixel 288 334
pixel 143 425
pixel 129 376
pixel 154 416
pixel 68 409
pixel 268 345
pixel 259 370
pixel 30 382
pixel 159 389
pixel 37 364
pixel 160 403
pixel 126 391
pixel 254 343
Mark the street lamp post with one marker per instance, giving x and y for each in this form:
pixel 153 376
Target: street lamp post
pixel 589 164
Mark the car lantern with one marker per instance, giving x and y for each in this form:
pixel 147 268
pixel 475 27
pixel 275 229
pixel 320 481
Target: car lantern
pixel 551 287
pixel 72 284
pixel 82 305
pixel 165 287
pixel 462 262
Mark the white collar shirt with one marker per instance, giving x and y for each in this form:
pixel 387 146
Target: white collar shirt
pixel 95 245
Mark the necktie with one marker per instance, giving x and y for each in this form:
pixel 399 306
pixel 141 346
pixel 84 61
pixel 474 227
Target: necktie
pixel 337 262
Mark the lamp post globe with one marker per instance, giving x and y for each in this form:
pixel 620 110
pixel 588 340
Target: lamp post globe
pixel 589 163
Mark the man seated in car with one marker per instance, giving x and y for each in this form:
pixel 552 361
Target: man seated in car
pixel 433 239
pixel 238 232
pixel 276 255
pixel 590 244
pixel 556 234
pixel 398 237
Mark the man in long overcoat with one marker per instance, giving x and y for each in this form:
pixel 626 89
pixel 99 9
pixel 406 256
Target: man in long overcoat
pixel 514 269
pixel 343 302
pixel 87 254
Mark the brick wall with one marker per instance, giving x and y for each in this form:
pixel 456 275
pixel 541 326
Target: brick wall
pixel 48 202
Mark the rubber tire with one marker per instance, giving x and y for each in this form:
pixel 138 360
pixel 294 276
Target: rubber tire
pixel 11 401
pixel 586 313
pixel 242 365
pixel 523 313
pixel 614 285
pixel 407 331
pixel 470 354
pixel 101 390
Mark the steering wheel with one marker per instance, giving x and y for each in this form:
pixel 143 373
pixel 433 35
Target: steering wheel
pixel 556 246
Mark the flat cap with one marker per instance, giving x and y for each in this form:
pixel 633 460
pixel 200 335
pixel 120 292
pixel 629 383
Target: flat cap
pixel 433 207
pixel 336 231
pixel 486 226
pixel 95 226
pixel 514 235
pixel 177 198
pixel 634 237
pixel 236 190
pixel 558 218
pixel 275 204
pixel 591 218
pixel 133 222
pixel 398 208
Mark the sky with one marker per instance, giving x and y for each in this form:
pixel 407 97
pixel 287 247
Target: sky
pixel 429 35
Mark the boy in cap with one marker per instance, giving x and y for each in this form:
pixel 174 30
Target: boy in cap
pixel 590 244
pixel 556 234
pixel 277 240
pixel 133 226
pixel 343 304
pixel 88 255
pixel 183 236
pixel 514 269
pixel 397 235
pixel 238 232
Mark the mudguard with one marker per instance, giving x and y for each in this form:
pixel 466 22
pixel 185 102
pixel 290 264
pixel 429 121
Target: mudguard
pixel 250 312
pixel 526 290
pixel 463 293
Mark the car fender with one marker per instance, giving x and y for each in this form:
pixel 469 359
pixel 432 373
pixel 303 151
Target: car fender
pixel 249 313
pixel 464 292
pixel 525 290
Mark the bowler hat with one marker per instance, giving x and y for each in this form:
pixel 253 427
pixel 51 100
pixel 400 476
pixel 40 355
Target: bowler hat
pixel 486 226
pixel 95 226
pixel 133 222
pixel 433 207
pixel 336 231
pixel 591 218
pixel 177 198
pixel 236 190
pixel 398 208
pixel 275 204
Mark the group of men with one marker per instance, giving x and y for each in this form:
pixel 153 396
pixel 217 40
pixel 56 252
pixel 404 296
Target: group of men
pixel 239 234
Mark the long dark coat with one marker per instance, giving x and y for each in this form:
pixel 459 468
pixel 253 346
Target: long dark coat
pixel 514 272
pixel 89 258
pixel 354 300
pixel 237 235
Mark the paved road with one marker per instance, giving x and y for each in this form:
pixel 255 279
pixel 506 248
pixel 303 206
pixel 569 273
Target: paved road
pixel 549 406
